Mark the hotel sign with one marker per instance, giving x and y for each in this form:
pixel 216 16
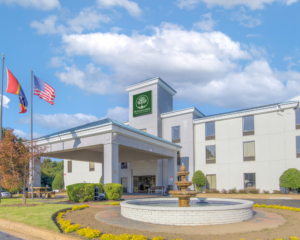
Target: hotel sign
pixel 142 103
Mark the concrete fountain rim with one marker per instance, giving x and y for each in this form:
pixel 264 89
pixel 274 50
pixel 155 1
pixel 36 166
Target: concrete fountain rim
pixel 244 204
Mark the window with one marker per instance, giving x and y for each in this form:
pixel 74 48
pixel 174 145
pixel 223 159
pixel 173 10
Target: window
pixel 69 166
pixel 210 131
pixel 248 125
pixel 124 165
pixel 297 113
pixel 143 130
pixel 249 180
pixel 210 154
pixel 92 166
pixel 249 151
pixel 211 181
pixel 298 146
pixel 178 158
pixel 176 134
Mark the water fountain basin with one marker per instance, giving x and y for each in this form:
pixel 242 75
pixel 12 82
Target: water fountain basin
pixel 202 211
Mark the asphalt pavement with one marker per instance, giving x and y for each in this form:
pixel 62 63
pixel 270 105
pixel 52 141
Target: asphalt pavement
pixel 6 236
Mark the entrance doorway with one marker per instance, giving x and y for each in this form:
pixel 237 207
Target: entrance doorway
pixel 141 184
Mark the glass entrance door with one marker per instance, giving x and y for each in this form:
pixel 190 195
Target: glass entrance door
pixel 141 184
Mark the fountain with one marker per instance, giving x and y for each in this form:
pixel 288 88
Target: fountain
pixel 185 209
pixel 183 195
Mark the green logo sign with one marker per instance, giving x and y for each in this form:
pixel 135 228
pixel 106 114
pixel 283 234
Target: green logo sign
pixel 142 103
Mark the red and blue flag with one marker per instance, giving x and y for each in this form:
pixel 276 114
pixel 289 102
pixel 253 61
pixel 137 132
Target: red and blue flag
pixel 14 87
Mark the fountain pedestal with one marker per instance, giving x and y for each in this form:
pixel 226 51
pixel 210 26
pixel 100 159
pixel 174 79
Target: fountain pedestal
pixel 183 195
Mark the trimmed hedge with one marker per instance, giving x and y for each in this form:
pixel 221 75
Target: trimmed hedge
pixel 83 192
pixel 113 191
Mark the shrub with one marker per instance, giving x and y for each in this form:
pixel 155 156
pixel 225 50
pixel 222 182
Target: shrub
pixel 277 192
pixel 214 191
pixel 72 228
pixel 58 182
pixel 115 203
pixel 101 180
pixel 199 180
pixel 232 191
pixel 80 207
pixel 243 191
pixel 254 191
pixel 113 191
pixel 89 233
pixel 82 192
pixel 224 190
pixel 266 192
pixel 290 179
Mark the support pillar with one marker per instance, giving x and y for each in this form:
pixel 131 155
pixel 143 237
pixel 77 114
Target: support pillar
pixel 172 165
pixel 110 162
pixel 159 173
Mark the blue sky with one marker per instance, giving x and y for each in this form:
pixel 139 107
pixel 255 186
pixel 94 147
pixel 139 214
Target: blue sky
pixel 219 55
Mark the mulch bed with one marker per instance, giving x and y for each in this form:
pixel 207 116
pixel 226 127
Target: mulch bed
pixel 86 218
pixel 19 205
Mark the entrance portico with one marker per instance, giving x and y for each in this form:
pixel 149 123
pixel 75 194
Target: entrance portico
pixel 110 143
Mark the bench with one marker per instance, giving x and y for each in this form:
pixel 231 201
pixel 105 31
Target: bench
pixel 156 188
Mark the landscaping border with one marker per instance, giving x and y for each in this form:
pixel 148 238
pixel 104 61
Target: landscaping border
pixel 34 231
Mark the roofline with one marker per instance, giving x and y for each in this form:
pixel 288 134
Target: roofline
pixel 245 112
pixel 193 110
pixel 149 82
pixel 106 128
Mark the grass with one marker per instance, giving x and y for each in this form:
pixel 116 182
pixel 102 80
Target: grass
pixel 39 216
pixel 15 200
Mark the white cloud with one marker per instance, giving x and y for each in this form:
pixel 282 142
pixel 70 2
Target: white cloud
pixel 48 26
pixel 202 67
pixel 92 80
pixel 207 23
pixel 118 113
pixel 88 18
pixel 38 4
pixel 25 135
pixel 252 4
pixel 132 7
pixel 245 20
pixel 59 121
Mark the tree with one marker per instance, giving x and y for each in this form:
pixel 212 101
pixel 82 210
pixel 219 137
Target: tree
pixel 49 171
pixel 199 179
pixel 101 180
pixel 58 182
pixel 290 179
pixel 15 158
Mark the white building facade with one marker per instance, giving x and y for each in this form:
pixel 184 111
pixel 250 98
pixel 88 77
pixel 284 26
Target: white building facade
pixel 249 148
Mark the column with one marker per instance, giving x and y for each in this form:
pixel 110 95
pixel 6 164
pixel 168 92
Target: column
pixel 111 160
pixel 159 173
pixel 172 165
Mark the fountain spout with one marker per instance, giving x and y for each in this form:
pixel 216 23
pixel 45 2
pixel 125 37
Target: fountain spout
pixel 183 195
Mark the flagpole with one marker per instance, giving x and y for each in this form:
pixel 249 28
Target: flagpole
pixel 31 140
pixel 1 133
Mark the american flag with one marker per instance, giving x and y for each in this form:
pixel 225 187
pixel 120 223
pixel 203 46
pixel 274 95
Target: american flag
pixel 43 90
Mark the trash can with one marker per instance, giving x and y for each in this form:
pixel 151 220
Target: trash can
pixel 169 188
pixel 96 193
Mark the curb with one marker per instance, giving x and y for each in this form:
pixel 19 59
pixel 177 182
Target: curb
pixel 34 231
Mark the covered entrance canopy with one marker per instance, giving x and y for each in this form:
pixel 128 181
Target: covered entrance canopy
pixel 110 142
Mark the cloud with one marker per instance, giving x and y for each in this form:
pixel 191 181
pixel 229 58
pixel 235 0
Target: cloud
pixel 245 20
pixel 87 19
pixel 132 7
pixel 60 121
pixel 48 26
pixel 38 4
pixel 92 80
pixel 118 113
pixel 204 67
pixel 252 4
pixel 207 23
pixel 25 135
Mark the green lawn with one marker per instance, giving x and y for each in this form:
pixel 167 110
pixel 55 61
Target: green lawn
pixel 14 200
pixel 39 216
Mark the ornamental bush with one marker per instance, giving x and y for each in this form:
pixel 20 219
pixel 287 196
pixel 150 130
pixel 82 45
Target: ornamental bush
pixel 199 180
pixel 290 179
pixel 58 182
pixel 83 192
pixel 113 191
